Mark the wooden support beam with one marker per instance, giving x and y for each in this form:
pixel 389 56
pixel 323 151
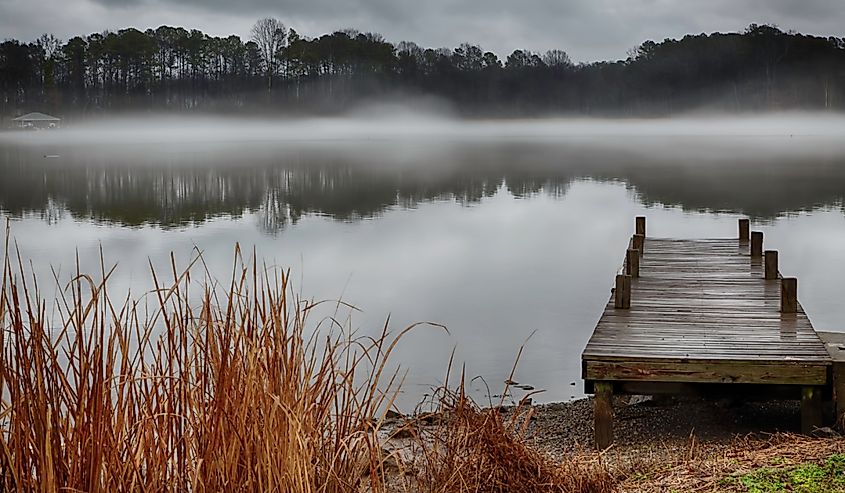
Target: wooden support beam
pixel 789 295
pixel 638 242
pixel 771 264
pixel 640 229
pixel 692 371
pixel 839 394
pixel 744 226
pixel 632 262
pixel 603 414
pixel 756 243
pixel 811 409
pixel 622 292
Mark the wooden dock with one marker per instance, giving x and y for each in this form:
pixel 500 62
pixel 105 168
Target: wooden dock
pixel 705 317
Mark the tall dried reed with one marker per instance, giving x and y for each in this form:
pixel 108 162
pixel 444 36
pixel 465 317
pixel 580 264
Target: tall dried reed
pixel 236 389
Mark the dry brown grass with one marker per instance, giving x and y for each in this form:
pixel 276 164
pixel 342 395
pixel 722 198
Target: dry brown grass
pixel 701 470
pixel 483 450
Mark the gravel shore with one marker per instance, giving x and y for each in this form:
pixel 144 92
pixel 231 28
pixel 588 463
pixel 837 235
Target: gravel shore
pixel 660 429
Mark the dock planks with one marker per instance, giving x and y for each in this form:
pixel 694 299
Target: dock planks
pixel 702 312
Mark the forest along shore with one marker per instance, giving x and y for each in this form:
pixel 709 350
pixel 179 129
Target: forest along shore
pixel 278 70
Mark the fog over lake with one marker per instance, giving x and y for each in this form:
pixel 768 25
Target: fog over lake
pixel 496 229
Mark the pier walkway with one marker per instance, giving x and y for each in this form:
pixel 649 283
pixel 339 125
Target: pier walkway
pixel 708 317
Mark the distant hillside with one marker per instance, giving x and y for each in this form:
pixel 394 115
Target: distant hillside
pixel 762 68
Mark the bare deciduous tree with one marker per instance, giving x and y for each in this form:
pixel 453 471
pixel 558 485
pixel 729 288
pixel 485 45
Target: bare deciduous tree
pixel 269 34
pixel 557 58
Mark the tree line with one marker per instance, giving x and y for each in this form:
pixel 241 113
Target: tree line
pixel 278 70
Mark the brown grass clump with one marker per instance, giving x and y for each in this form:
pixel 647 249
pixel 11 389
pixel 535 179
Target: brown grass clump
pixel 701 471
pixel 233 389
pixel 483 450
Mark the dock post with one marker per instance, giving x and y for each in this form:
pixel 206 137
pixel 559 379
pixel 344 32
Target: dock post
pixel 638 242
pixel 622 292
pixel 811 409
pixel 839 394
pixel 789 295
pixel 771 261
pixel 632 262
pixel 603 414
pixel 743 230
pixel 640 229
pixel 756 243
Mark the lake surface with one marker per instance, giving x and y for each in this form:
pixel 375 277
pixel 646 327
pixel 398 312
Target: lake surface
pixel 507 235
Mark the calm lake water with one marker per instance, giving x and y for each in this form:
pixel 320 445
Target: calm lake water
pixel 506 235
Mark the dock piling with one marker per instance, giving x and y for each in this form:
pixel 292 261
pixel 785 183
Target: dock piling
pixel 632 262
pixel 771 261
pixel 640 225
pixel 756 244
pixel 638 242
pixel 603 414
pixel 622 293
pixel 789 295
pixel 811 409
pixel 743 230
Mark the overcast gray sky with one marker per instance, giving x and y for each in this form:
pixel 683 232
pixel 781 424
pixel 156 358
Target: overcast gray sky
pixel 587 29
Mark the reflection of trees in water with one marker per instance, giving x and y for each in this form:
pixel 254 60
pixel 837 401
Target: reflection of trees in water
pixel 760 190
pixel 172 190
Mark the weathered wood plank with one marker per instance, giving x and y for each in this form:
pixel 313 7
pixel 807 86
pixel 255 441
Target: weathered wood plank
pixel 703 342
pixel 707 372
pixel 695 320
pixel 623 355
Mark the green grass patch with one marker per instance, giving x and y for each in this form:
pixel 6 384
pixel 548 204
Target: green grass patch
pixel 809 477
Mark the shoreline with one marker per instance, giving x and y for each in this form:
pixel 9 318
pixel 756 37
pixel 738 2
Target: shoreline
pixel 643 424
pixel 646 425
pixel 669 443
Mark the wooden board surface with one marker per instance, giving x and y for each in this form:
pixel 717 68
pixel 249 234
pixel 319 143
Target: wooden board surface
pixel 704 301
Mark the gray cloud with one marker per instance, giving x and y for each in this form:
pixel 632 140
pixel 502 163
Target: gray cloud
pixel 587 29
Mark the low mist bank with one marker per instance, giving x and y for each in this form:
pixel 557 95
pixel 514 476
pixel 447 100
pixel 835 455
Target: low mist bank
pixel 400 123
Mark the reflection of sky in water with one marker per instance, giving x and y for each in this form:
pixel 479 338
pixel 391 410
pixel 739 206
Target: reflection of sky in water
pixel 493 272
